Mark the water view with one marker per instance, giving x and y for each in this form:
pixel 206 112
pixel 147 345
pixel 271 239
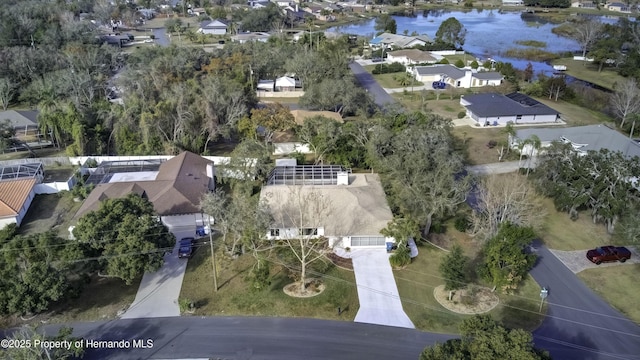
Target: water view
pixel 489 32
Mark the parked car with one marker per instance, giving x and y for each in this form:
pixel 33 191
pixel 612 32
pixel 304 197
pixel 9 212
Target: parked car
pixel 376 59
pixel 439 85
pixel 186 247
pixel 608 253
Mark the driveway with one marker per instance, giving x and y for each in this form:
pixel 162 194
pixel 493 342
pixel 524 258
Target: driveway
pixel 577 261
pixel 367 81
pixel 495 168
pixel 159 291
pixel 377 291
pixel 580 324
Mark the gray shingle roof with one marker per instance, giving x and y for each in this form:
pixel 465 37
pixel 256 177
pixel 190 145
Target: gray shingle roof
pixel 20 118
pixel 488 75
pixel 593 137
pixel 493 104
pixel 449 70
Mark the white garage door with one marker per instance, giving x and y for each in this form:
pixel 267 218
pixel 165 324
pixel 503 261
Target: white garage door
pixel 367 241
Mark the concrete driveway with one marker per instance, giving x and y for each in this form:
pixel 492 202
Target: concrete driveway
pixel 159 291
pixel 577 261
pixel 377 291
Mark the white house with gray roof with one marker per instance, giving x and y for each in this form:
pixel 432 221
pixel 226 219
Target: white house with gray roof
pixel 582 138
pixel 215 27
pixel 494 109
pixel 455 77
pixel 388 40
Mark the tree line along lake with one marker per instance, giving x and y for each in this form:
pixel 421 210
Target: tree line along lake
pixel 491 33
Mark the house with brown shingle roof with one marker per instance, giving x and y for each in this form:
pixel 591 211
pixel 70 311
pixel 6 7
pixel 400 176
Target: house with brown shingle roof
pixel 175 192
pixel 15 198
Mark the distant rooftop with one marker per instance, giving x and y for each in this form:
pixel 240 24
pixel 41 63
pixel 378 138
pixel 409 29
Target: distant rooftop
pixel 586 138
pixel 305 175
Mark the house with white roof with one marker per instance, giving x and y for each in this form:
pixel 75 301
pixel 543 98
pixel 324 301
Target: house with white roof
pixel 388 40
pixel 456 77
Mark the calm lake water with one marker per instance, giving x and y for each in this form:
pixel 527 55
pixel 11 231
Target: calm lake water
pixel 489 32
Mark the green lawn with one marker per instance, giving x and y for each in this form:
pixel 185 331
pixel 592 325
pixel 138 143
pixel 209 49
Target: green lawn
pixel 561 233
pixel 614 284
pixel 417 281
pixel 235 297
pixel 50 212
pixel 575 115
pixel 473 140
pixel 589 72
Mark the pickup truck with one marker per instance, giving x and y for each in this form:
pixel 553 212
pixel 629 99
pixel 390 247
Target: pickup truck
pixel 608 253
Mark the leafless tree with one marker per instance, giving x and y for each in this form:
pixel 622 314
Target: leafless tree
pixel 626 99
pixel 299 214
pixel 586 33
pixel 505 198
pixel 6 92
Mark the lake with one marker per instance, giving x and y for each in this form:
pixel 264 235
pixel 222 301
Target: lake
pixel 489 32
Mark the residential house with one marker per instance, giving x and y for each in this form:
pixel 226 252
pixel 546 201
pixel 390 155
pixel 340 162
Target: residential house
pixel 214 27
pixel 584 4
pixel 24 122
pixel 258 4
pixel 618 7
pixel 411 57
pixel 286 83
pixel 282 3
pixel 175 189
pixel 356 207
pixel 388 40
pixel 494 109
pixel 250 36
pixel 582 138
pixel 319 11
pixel 455 77
pixel 16 196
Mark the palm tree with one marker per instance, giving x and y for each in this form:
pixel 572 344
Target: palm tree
pixel 535 143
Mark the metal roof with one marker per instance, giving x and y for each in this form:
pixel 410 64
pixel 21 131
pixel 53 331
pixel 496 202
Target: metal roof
pixel 106 169
pixel 21 171
pixel 305 175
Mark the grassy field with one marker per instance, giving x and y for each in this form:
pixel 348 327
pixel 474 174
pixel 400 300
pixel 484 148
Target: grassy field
pixel 576 115
pixel 613 284
pixel 589 72
pixel 235 297
pixel 94 304
pixel 445 107
pixel 50 212
pixel 475 139
pixel 46 152
pixel 417 281
pixel 561 233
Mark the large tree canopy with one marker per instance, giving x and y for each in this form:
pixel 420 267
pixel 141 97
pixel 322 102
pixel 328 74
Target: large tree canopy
pixel 125 236
pixel 451 31
pixel 421 171
pixel 484 338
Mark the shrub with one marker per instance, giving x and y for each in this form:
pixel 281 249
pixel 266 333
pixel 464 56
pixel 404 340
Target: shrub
pixel 438 228
pixel 401 257
pixel 443 61
pixel 474 64
pixel 462 114
pixel 459 63
pixel 461 223
pixel 387 69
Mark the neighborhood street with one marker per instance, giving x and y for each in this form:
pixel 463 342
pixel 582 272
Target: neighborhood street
pixel 580 324
pixel 367 81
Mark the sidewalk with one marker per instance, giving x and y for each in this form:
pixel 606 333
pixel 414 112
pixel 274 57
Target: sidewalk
pixel 377 291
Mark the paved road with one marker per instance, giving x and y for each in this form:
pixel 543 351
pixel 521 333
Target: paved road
pixel 580 324
pixel 367 81
pixel 255 338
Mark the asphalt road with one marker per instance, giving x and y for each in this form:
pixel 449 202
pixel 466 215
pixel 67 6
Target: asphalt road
pixel 580 324
pixel 255 338
pixel 367 81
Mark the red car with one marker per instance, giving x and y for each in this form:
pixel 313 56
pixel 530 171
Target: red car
pixel 608 253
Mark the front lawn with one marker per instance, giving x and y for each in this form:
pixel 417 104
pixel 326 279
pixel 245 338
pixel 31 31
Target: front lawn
pixel 615 285
pixel 561 233
pixel 235 296
pixel 588 71
pixel 474 141
pixel 417 282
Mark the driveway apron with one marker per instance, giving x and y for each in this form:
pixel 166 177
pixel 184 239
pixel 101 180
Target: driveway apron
pixel 377 291
pixel 159 291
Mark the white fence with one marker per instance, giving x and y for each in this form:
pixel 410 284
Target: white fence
pixel 290 148
pixel 279 94
pixel 55 186
pixel 447 52
pixel 582 58
pixel 48 161
pixel 80 160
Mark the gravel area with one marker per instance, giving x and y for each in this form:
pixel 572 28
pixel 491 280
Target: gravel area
pixel 577 261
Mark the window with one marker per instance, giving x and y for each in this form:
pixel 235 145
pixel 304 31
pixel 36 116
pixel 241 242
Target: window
pixel 275 232
pixel 309 231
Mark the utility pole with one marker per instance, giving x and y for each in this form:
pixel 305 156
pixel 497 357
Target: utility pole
pixel 213 256
pixel 543 295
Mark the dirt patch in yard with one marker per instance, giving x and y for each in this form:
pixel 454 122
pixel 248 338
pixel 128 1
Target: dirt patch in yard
pixel 577 261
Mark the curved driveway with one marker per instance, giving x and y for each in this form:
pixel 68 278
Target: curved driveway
pixel 580 324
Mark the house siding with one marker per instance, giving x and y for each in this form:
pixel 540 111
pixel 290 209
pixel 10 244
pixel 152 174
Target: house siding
pixel 25 207
pixel 503 120
pixel 214 31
